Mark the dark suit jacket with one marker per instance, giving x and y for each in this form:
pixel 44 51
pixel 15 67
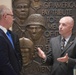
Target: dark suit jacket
pixel 59 68
pixel 10 63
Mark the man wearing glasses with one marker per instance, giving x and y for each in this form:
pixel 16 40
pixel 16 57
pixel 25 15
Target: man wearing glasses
pixel 10 57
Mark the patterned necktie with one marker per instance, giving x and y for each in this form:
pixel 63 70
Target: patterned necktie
pixel 10 38
pixel 62 43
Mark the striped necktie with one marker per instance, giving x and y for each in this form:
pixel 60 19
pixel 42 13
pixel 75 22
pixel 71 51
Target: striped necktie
pixel 62 43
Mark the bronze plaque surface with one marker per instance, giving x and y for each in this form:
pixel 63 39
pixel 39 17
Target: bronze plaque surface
pixel 36 32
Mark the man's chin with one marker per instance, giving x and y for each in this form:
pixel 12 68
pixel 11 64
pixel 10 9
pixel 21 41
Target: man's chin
pixel 60 33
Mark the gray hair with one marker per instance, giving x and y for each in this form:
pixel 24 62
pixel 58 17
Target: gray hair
pixel 3 10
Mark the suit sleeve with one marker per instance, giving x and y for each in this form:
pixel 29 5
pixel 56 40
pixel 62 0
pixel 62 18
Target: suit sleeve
pixel 72 59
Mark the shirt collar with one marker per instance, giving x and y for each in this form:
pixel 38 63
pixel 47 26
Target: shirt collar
pixel 3 28
pixel 67 39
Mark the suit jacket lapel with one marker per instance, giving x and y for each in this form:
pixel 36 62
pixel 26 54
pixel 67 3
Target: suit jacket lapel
pixel 13 38
pixel 70 42
pixel 58 43
pixel 2 33
pixel 5 37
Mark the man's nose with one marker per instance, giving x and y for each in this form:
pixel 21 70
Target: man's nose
pixel 60 26
pixel 34 30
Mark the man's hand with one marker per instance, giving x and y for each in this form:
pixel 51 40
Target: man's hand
pixel 63 59
pixel 41 53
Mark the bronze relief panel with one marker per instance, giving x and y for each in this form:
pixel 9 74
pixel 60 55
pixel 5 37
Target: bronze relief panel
pixel 37 21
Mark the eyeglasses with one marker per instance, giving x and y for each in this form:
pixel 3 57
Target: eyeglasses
pixel 10 15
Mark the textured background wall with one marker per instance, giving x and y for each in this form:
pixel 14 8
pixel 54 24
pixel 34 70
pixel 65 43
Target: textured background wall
pixel 8 3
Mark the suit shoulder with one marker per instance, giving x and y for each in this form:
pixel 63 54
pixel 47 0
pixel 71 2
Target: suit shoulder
pixel 54 38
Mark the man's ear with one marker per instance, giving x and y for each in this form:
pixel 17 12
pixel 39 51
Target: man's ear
pixel 4 16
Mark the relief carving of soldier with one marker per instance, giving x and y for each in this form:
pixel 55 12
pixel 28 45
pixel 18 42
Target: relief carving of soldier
pixel 21 12
pixel 30 66
pixel 35 27
pixel 27 50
